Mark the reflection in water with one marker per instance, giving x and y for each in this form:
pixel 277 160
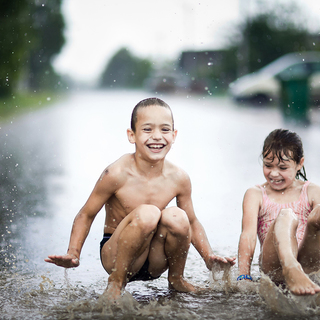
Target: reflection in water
pixel 23 184
pixel 25 171
pixel 48 165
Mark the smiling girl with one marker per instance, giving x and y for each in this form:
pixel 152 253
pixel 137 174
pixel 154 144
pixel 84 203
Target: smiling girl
pixel 285 214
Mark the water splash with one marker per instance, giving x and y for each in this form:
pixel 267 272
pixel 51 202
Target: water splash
pixel 282 301
pixel 127 307
pixel 46 283
pixel 224 278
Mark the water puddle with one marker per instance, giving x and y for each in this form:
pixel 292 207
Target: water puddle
pixel 281 301
pixel 47 171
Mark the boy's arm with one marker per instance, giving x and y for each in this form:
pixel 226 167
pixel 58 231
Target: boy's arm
pixel 248 237
pixel 198 235
pixel 103 190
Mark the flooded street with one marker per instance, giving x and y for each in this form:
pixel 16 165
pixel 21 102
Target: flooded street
pixel 49 163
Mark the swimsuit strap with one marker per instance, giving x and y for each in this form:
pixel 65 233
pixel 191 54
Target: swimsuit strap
pixel 264 193
pixel 304 191
pixel 303 194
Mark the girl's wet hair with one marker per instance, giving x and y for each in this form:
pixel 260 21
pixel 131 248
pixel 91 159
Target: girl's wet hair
pixel 147 103
pixel 281 142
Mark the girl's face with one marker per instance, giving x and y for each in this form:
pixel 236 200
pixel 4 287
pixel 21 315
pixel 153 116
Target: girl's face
pixel 280 174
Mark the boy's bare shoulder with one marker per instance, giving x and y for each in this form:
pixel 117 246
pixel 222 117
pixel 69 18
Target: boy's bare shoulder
pixel 118 170
pixel 176 173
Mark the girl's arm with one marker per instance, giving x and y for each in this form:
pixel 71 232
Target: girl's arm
pixel 248 238
pixel 313 195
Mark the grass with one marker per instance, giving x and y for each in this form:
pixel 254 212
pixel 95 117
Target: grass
pixel 25 102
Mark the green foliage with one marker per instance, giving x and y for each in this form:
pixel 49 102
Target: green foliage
pixel 269 35
pixel 125 71
pixel 221 72
pixel 16 39
pixel 25 102
pixel 31 33
pixel 48 25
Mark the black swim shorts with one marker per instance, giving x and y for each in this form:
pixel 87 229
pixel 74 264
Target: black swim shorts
pixel 143 273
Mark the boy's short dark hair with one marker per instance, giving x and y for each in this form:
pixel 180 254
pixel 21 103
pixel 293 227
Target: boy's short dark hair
pixel 147 103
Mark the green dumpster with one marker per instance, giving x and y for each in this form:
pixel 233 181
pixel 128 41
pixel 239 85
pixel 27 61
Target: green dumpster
pixel 294 97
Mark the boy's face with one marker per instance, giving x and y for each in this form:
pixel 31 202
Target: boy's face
pixel 154 134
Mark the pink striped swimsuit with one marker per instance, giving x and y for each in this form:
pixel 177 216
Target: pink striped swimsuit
pixel 270 210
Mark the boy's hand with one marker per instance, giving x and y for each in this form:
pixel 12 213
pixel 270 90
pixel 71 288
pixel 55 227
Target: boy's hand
pixel 66 261
pixel 213 260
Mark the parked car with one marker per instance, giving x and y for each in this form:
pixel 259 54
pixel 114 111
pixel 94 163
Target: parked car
pixel 264 85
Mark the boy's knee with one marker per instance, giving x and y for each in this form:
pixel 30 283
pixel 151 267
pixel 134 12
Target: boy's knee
pixel 147 217
pixel 176 220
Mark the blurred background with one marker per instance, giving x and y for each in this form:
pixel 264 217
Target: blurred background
pixel 180 45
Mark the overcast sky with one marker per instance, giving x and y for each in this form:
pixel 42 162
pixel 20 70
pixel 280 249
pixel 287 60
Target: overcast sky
pixel 96 29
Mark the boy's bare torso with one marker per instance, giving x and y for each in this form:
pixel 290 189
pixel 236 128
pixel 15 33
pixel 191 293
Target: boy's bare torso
pixel 134 189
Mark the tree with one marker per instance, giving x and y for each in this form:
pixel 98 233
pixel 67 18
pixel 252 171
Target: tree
pixel 125 71
pixel 48 25
pixel 31 33
pixel 16 38
pixel 269 35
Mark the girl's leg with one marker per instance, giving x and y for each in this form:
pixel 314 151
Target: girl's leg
pixel 272 250
pixel 279 255
pixel 309 251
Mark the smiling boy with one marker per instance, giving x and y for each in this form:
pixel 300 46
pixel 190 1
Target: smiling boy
pixel 142 236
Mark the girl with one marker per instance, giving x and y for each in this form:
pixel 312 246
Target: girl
pixel 285 214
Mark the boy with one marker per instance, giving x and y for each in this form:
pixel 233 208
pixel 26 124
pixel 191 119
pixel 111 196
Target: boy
pixel 142 237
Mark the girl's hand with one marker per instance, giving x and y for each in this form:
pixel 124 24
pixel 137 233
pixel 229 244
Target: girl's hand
pixel 66 261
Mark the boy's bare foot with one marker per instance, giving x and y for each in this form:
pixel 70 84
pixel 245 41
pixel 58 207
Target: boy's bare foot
pixel 183 285
pixel 113 291
pixel 298 282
